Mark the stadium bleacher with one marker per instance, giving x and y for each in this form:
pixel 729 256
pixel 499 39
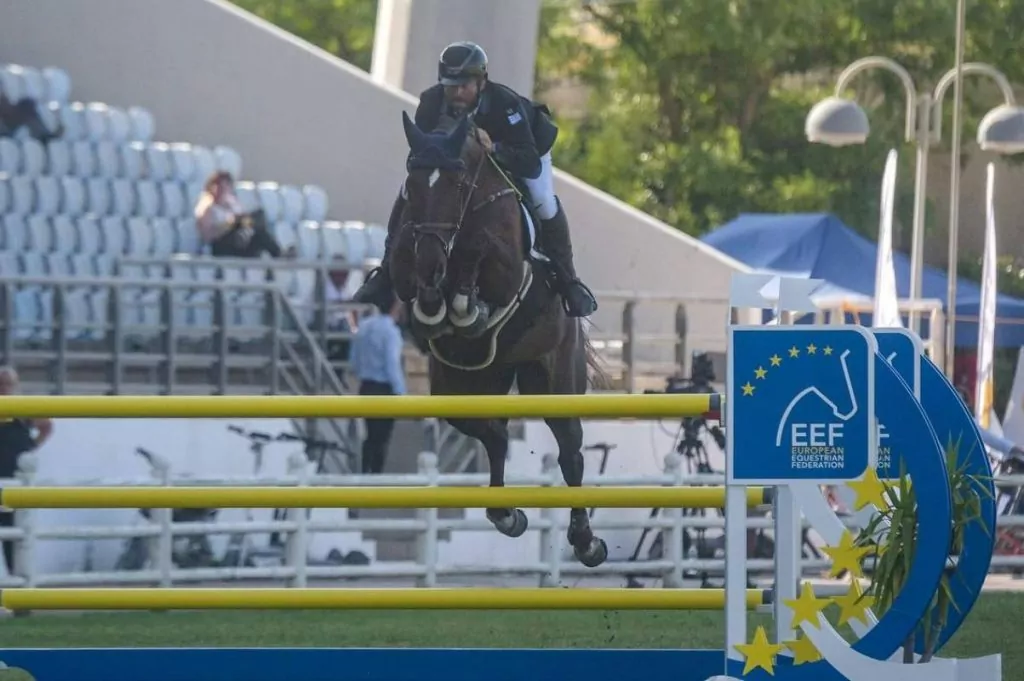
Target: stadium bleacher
pixel 108 190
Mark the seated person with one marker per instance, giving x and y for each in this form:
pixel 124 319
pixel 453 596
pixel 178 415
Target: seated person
pixel 13 115
pixel 225 226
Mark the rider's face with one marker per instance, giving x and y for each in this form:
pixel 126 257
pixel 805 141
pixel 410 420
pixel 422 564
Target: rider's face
pixel 463 96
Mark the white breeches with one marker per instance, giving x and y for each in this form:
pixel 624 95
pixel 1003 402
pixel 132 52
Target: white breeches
pixel 542 190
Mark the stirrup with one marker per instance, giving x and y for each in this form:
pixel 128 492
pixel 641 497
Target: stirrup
pixel 376 282
pixel 586 299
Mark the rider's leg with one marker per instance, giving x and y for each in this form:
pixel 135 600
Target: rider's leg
pixel 378 282
pixel 555 242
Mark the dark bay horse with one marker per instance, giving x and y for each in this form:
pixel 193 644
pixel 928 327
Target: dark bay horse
pixel 484 308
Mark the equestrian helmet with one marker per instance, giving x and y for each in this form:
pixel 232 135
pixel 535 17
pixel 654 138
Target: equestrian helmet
pixel 461 62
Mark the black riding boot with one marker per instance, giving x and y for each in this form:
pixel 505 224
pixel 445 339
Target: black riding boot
pixel 557 245
pixel 377 287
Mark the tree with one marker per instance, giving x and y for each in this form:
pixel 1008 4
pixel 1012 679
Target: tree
pixel 698 107
pixel 342 27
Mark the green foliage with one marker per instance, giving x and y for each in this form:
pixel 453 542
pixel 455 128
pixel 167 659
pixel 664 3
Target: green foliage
pixel 892 534
pixel 697 108
pixel 342 27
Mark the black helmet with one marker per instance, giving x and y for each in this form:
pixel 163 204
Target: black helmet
pixel 461 62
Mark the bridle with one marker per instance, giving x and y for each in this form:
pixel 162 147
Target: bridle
pixel 448 232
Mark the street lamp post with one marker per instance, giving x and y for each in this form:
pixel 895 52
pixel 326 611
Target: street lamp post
pixel 837 122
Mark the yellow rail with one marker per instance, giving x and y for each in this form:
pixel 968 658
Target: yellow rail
pixel 373 497
pixel 356 406
pixel 372 599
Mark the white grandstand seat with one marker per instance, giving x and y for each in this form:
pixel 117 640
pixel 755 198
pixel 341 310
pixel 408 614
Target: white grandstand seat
pixel 58 155
pixel 58 84
pixel 104 266
pixel 139 304
pixel 65 235
pixel 142 124
pixel 33 84
pixel 251 303
pixel 246 192
pixel 72 117
pixel 119 126
pixel 96 115
pixel 186 237
pixel 11 82
pixel 309 241
pixel 315 201
pixel 201 300
pixel 114 236
pixel 10 156
pixel 192 192
pixel 228 159
pixel 49 116
pixel 149 199
pixel 23 195
pixel 133 160
pixel 357 241
pixel 183 162
pixel 334 240
pixel 5 194
pixel 83 154
pixel 27 312
pixel 33 157
pixel 284 233
pixel 159 161
pixel 181 271
pixel 124 197
pixel 33 264
pixel 140 237
pixel 90 236
pixel 15 238
pixel 205 161
pixel 98 191
pixel 270 200
pixel 173 201
pixel 40 233
pixel 47 195
pixel 73 193
pixel 291 203
pixel 76 302
pixel 84 299
pixel 376 235
pixel 163 237
pixel 108 160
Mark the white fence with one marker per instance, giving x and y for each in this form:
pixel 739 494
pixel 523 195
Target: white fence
pixel 153 550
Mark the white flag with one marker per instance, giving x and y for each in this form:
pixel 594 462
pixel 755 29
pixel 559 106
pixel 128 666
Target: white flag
pixel 886 311
pixel 987 309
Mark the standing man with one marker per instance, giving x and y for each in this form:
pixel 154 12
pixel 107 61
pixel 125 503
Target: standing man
pixel 376 360
pixel 17 436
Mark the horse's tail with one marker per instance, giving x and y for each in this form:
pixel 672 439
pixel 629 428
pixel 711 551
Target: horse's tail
pixel 597 377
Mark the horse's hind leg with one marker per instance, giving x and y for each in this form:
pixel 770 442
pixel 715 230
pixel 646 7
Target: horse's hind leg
pixel 492 433
pixel 590 550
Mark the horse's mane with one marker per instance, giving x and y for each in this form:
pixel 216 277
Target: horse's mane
pixel 446 123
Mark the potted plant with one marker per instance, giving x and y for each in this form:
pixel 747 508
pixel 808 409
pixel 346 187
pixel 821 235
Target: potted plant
pixel 892 535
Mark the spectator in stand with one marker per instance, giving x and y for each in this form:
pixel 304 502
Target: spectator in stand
pixel 14 115
pixel 339 287
pixel 17 436
pixel 224 225
pixel 376 360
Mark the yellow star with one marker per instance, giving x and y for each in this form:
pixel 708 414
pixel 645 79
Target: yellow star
pixel 846 556
pixel 775 360
pixel 803 650
pixel 759 654
pixel 828 350
pixel 760 372
pixel 807 607
pixel 794 352
pixel 869 490
pixel 748 389
pixel 854 604
pixel 811 349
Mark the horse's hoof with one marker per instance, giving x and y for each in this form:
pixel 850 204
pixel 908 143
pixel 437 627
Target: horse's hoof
pixel 593 555
pixel 463 321
pixel 513 524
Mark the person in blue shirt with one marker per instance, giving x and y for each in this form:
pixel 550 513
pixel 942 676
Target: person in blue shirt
pixel 376 361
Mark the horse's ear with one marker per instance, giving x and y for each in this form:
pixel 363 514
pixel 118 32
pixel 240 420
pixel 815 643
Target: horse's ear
pixel 413 135
pixel 457 138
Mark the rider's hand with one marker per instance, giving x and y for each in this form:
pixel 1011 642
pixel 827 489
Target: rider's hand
pixel 485 140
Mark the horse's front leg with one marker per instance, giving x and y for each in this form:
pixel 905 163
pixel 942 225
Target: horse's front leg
pixel 468 313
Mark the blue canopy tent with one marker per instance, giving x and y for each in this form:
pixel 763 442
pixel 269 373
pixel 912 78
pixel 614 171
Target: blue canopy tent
pixel 820 246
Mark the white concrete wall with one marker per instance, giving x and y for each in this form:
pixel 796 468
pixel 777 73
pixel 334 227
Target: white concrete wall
pixel 213 74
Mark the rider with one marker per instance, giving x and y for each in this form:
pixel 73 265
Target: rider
pixel 519 134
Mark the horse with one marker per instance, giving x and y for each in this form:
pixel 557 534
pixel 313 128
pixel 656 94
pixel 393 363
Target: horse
pixel 484 306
